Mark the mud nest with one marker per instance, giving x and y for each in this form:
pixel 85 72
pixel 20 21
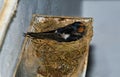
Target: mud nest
pixel 49 58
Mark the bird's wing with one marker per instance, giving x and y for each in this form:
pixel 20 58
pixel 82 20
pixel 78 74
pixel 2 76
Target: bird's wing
pixel 67 29
pixel 52 31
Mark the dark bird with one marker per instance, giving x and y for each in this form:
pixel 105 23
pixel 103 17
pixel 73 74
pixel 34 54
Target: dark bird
pixel 71 32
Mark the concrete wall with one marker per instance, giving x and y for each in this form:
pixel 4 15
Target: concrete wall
pixel 106 43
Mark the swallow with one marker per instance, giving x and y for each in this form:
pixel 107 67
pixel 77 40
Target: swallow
pixel 70 32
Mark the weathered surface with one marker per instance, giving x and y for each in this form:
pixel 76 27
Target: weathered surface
pixel 43 57
pixel 11 49
pixel 6 13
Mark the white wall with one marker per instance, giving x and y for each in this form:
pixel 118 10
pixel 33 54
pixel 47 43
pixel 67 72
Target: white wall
pixel 106 40
pixel 1 3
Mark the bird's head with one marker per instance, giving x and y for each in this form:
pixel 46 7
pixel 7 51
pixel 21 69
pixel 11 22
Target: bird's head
pixel 80 26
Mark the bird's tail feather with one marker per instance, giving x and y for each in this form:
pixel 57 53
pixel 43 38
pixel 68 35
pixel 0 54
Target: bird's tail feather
pixel 41 35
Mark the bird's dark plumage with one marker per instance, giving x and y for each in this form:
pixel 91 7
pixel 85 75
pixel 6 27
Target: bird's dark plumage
pixel 71 32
